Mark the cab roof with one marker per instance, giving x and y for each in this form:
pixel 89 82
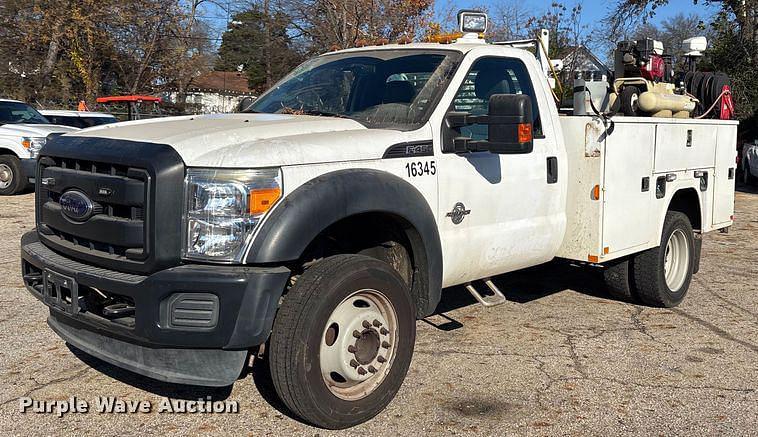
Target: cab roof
pixel 461 45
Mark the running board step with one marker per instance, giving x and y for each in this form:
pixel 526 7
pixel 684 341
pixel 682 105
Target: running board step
pixel 497 297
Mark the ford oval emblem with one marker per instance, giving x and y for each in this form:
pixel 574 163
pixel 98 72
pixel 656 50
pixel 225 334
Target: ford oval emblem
pixel 76 205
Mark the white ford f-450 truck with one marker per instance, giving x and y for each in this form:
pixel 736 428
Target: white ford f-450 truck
pixel 327 218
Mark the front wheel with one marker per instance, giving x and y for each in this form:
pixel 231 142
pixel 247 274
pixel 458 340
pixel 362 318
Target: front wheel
pixel 10 175
pixel 342 341
pixel 662 274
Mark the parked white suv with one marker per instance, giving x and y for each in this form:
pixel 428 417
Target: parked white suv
pixel 23 132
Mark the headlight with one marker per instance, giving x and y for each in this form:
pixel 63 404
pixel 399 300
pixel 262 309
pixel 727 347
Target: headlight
pixel 33 144
pixel 222 209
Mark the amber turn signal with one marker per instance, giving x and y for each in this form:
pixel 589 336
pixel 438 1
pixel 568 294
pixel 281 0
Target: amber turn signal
pixel 524 132
pixel 261 200
pixel 596 192
pixel 26 143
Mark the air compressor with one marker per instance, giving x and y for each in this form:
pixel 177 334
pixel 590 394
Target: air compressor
pixel 645 83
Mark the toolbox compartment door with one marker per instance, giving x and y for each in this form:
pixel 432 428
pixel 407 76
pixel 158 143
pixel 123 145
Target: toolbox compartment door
pixel 681 147
pixel 627 221
pixel 724 176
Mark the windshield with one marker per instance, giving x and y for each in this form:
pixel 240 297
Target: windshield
pixel 17 112
pixel 80 122
pixel 394 89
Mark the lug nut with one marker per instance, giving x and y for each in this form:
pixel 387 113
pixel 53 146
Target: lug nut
pixel 353 363
pixel 377 323
pixel 366 324
pixel 384 331
pixel 372 369
pixel 381 359
pixel 386 344
pixel 356 334
pixel 351 349
pixel 361 371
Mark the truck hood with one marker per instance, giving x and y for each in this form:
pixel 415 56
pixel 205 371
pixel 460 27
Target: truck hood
pixel 256 140
pixel 34 130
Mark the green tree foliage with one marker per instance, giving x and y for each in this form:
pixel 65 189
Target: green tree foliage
pixel 261 44
pixel 733 48
pixel 270 37
pixel 734 52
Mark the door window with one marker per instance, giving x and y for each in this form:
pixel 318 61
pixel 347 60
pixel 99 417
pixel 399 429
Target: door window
pixel 490 76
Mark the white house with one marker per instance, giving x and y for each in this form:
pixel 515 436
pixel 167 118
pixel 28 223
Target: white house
pixel 213 92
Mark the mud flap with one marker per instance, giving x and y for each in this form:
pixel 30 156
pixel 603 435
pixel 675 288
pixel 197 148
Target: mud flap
pixel 698 249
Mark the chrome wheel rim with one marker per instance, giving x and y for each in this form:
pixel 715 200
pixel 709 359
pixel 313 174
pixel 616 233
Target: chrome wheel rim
pixel 6 176
pixel 358 344
pixel 676 261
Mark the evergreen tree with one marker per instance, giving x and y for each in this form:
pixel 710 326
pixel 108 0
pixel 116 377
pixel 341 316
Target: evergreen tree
pixel 261 44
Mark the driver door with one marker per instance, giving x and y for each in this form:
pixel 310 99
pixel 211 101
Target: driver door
pixel 497 213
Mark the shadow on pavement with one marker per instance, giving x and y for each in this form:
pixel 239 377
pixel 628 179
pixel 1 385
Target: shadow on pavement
pixel 520 287
pixel 531 284
pixel 742 188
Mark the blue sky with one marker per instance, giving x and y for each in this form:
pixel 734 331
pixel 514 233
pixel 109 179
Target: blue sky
pixel 593 10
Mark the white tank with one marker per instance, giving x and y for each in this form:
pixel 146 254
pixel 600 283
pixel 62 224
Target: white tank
pixel 660 105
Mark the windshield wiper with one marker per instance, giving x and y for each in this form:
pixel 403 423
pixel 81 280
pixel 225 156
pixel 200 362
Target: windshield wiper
pixel 320 113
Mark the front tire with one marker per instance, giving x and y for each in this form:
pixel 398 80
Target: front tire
pixel 662 274
pixel 11 181
pixel 342 341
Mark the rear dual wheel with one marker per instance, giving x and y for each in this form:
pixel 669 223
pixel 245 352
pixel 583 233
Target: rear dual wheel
pixel 660 276
pixel 342 341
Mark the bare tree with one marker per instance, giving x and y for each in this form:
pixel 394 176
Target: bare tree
pixel 511 20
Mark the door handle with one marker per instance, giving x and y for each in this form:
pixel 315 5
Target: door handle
pixel 703 176
pixel 552 169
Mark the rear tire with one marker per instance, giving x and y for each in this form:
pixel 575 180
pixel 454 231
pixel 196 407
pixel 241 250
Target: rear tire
pixel 618 280
pixel 342 341
pixel 11 181
pixel 662 274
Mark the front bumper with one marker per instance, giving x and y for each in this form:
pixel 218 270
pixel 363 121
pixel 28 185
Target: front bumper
pixel 28 170
pixel 190 324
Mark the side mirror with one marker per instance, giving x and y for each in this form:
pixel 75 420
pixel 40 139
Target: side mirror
pixel 245 104
pixel 509 126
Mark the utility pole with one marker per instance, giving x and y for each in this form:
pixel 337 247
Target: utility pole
pixel 267 42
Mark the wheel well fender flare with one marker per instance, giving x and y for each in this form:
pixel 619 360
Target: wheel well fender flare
pixel 688 201
pixel 7 151
pixel 326 199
